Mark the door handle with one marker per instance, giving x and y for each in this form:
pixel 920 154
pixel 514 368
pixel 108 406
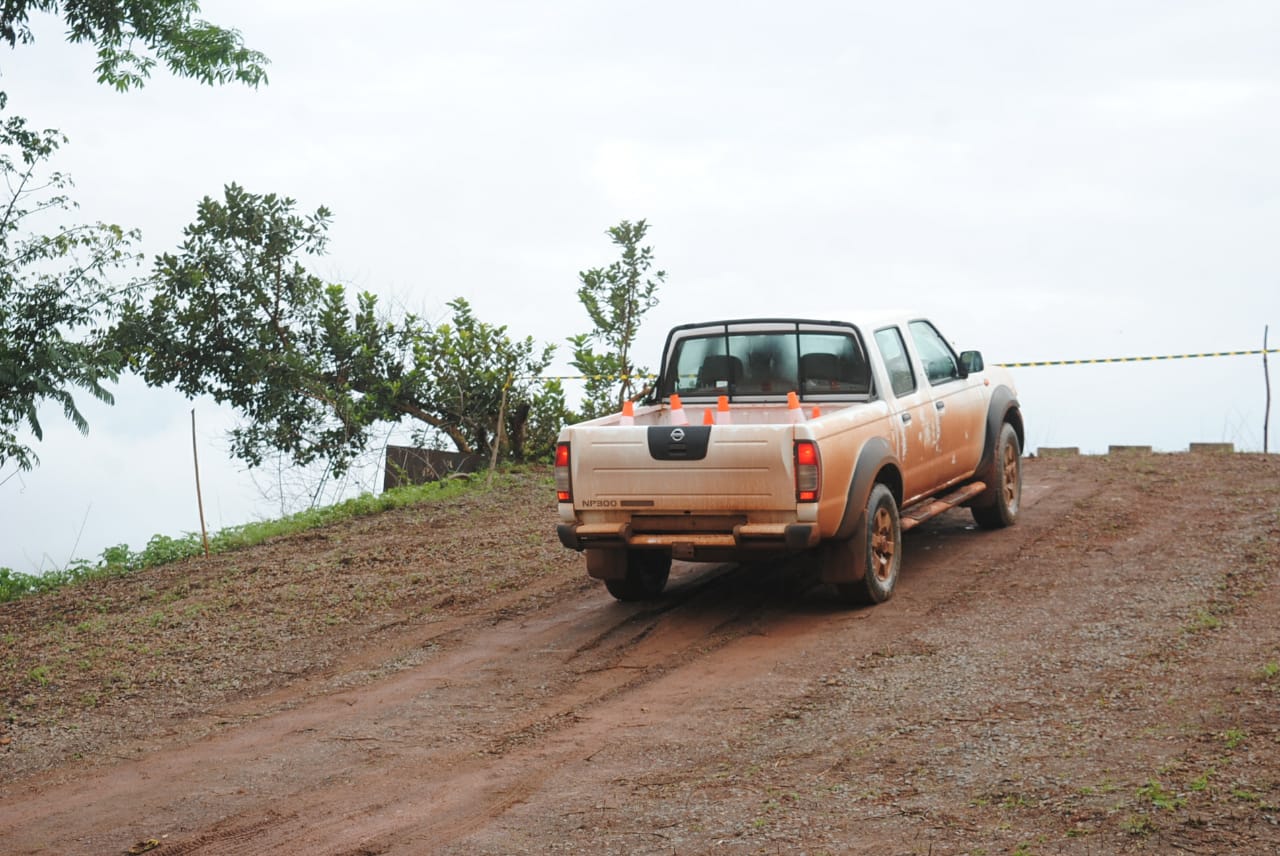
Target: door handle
pixel 906 417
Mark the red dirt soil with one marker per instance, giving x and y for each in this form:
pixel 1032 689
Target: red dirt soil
pixel 1103 677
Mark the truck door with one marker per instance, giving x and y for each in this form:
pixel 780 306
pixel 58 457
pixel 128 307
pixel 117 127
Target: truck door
pixel 913 419
pixel 959 402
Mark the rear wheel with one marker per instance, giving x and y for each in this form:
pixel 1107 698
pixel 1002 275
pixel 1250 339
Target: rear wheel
pixel 1004 484
pixel 647 572
pixel 883 551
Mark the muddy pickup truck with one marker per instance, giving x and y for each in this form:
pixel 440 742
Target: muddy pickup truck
pixel 769 437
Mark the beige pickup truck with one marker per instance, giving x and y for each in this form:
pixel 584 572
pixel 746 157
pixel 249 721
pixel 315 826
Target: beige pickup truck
pixel 768 437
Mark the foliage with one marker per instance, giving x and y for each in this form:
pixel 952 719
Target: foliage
pixel 235 315
pixel 162 549
pixel 602 375
pixel 616 299
pixel 132 37
pixel 476 371
pixel 548 413
pixel 54 289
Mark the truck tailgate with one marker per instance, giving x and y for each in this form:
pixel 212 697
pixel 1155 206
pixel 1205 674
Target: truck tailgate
pixel 744 468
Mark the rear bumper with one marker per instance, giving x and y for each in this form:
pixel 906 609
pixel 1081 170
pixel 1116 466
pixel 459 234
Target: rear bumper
pixel 745 537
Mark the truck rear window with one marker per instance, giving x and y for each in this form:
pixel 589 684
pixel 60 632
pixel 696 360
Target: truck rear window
pixel 767 364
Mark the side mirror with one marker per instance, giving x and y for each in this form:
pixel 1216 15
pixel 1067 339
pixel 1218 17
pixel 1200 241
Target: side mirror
pixel 970 362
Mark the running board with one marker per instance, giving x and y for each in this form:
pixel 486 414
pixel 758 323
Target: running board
pixel 918 514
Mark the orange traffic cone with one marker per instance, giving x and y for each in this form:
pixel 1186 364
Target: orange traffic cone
pixel 708 417
pixel 628 416
pixel 817 411
pixel 677 411
pixel 722 411
pixel 794 413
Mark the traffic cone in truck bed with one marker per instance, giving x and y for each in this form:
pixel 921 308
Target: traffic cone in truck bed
pixel 794 413
pixel 677 411
pixel 722 411
pixel 708 417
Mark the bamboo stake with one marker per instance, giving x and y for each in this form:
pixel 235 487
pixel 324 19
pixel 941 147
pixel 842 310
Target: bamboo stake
pixel 195 457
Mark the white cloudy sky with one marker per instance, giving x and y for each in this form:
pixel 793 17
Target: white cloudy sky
pixel 1047 181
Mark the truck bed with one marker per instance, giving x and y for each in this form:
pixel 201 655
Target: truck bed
pixel 745 466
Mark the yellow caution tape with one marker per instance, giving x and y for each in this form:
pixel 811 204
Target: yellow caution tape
pixel 1020 365
pixel 1037 363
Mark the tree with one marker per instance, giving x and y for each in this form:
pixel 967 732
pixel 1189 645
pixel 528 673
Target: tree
pixel 55 282
pixel 53 290
pixel 616 299
pixel 132 36
pixel 235 315
pixel 478 372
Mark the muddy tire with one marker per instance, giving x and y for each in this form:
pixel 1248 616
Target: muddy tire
pixel 1000 503
pixel 647 572
pixel 883 551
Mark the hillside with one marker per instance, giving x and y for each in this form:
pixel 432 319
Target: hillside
pixel 1102 677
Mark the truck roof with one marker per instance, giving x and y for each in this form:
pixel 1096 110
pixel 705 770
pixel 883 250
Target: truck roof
pixel 869 319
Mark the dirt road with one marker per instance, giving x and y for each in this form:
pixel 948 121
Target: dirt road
pixel 1103 677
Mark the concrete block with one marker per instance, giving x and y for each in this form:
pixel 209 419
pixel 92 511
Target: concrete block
pixel 1217 448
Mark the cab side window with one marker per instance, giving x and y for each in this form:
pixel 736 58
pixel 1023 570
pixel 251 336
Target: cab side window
pixel 894 353
pixel 940 364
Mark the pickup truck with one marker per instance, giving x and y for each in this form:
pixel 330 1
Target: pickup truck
pixel 769 437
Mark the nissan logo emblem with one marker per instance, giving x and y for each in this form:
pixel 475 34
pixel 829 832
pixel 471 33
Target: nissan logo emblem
pixel 677 435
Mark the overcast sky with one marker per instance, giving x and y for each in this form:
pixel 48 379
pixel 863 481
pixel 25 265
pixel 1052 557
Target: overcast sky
pixel 1047 181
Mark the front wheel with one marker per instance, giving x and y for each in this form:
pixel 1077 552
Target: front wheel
pixel 1003 496
pixel 647 573
pixel 883 551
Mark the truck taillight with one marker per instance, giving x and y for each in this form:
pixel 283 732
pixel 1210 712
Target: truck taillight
pixel 564 484
pixel 808 471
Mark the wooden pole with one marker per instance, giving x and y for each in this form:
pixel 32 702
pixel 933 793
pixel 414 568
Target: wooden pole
pixel 1266 373
pixel 195 457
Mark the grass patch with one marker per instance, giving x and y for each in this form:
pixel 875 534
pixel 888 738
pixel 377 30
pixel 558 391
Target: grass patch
pixel 1233 737
pixel 1204 620
pixel 1138 824
pixel 1158 796
pixel 1201 783
pixel 1105 787
pixel 163 549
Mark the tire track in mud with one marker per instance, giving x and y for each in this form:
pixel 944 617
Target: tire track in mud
pixel 646 647
pixel 468 659
pixel 641 687
pixel 498 712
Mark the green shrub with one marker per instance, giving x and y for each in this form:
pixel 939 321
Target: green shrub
pixel 163 549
